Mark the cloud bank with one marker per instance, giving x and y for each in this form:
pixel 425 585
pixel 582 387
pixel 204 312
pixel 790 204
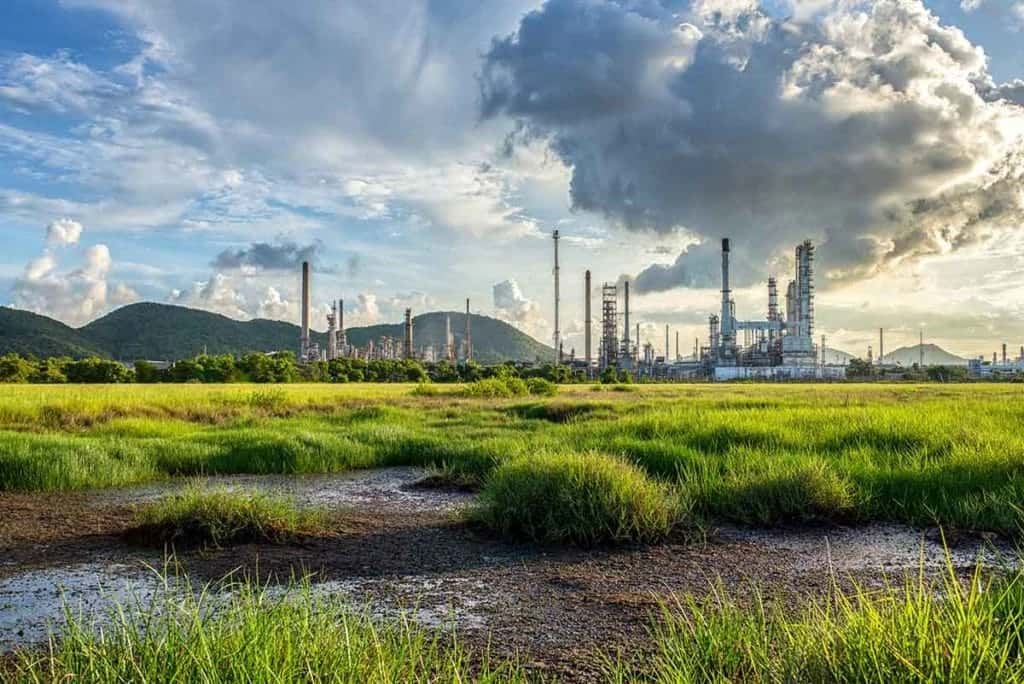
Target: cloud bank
pixel 867 126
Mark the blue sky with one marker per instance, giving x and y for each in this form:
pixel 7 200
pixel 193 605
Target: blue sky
pixel 420 152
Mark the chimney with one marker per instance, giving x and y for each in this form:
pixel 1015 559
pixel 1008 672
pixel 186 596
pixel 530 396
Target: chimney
pixel 587 324
pixel 881 345
pixel 304 334
pixel 558 333
pixel 407 342
pixel 469 335
pixel 625 335
pixel 726 317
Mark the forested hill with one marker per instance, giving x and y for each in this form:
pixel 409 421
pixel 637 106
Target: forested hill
pixel 165 332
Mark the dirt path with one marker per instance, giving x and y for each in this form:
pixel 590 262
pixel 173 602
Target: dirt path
pixel 403 548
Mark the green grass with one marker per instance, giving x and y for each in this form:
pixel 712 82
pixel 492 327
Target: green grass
pixel 763 454
pixel 255 636
pixel 215 517
pixel 577 498
pixel 957 631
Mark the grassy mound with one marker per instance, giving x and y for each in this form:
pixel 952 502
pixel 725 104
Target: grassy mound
pixel 201 517
pixel 256 636
pixel 954 632
pixel 579 498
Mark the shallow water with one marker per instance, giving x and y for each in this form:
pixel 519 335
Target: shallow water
pixel 34 604
pixel 390 489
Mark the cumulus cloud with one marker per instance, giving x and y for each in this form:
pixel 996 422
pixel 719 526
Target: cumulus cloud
pixel 274 306
pixel 282 256
pixel 862 126
pixel 76 295
pixel 218 294
pixel 513 306
pixel 63 232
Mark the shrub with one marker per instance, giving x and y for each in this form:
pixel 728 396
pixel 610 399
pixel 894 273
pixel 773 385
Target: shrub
pixel 580 498
pixel 200 517
pixel 541 387
pixel 425 389
pixel 495 388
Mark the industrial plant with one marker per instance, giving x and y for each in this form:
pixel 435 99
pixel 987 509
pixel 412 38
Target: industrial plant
pixel 384 347
pixel 779 345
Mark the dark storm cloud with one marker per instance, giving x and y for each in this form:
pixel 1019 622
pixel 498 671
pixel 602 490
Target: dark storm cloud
pixel 283 256
pixel 719 119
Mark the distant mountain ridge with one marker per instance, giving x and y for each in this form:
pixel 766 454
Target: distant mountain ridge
pixel 934 355
pixel 165 332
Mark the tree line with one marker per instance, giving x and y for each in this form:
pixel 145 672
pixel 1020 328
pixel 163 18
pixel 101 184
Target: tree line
pixel 265 368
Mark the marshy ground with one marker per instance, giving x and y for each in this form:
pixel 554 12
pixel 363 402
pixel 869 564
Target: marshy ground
pixel 781 493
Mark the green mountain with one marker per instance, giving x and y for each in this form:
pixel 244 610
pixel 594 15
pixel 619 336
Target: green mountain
pixel 934 355
pixel 493 340
pixel 165 332
pixel 27 333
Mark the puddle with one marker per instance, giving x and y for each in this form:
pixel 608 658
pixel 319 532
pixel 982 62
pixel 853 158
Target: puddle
pixel 33 604
pixel 879 547
pixel 383 489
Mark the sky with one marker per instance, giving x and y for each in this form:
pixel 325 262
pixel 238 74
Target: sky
pixel 420 152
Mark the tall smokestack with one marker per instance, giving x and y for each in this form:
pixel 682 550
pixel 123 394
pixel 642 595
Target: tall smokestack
pixel 881 345
pixel 1004 353
pixel 637 347
pixel 558 333
pixel 586 315
pixel 407 341
pixel 677 345
pixel 625 336
pixel 725 322
pixel 469 335
pixel 666 343
pixel 304 334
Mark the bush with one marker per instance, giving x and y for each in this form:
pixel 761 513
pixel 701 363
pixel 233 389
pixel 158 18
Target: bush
pixel 495 388
pixel 200 517
pixel 541 387
pixel 579 498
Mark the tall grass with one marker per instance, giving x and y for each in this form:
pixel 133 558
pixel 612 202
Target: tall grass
pixel 763 454
pixel 578 498
pixel 918 632
pixel 213 517
pixel 253 636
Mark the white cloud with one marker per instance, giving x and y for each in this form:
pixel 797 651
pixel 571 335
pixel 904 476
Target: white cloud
pixel 513 306
pixel 63 232
pixel 217 294
pixel 75 296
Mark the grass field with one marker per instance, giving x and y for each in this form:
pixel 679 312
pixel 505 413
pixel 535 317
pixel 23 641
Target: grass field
pixel 765 454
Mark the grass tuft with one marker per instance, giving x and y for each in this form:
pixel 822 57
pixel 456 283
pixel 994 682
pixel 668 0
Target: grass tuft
pixel 201 517
pixel 584 499
pixel 955 631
